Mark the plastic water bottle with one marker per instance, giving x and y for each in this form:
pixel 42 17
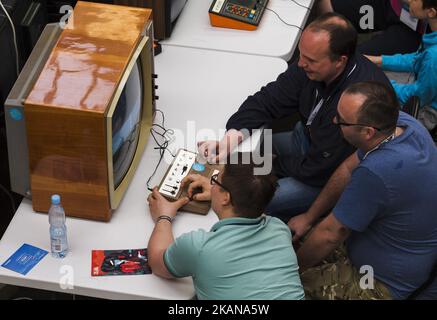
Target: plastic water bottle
pixel 58 229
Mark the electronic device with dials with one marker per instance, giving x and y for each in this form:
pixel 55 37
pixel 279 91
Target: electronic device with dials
pixel 185 163
pixel 237 14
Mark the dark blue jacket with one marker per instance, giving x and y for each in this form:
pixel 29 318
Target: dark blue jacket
pixel 294 91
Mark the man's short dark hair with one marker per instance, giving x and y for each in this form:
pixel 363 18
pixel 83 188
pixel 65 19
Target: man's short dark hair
pixel 381 106
pixel 342 34
pixel 250 193
pixel 429 4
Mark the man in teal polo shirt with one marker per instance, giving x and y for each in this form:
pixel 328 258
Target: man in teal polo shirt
pixel 246 255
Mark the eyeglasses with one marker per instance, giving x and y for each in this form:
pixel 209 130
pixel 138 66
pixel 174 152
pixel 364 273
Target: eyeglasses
pixel 214 180
pixel 337 121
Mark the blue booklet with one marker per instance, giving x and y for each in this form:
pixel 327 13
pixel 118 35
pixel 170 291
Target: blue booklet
pixel 24 259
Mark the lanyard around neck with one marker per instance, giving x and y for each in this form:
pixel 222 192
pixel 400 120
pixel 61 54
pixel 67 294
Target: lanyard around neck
pixel 319 105
pixel 316 109
pixel 389 138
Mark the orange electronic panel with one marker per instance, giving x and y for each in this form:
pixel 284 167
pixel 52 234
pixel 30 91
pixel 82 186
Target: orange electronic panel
pixel 237 14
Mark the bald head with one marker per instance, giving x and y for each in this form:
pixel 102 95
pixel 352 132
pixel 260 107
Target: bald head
pixel 330 19
pixel 341 34
pixel 376 104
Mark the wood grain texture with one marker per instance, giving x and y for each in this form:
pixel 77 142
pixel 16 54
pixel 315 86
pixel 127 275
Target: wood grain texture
pixel 67 108
pixel 87 63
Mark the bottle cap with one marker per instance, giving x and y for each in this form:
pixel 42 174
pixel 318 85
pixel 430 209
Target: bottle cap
pixel 56 199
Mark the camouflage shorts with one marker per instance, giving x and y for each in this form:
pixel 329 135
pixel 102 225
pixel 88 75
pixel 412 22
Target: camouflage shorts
pixel 337 279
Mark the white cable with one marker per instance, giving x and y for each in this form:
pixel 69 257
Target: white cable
pixel 15 37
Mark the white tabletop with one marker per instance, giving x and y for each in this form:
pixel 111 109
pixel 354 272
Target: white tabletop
pixel 272 38
pixel 194 85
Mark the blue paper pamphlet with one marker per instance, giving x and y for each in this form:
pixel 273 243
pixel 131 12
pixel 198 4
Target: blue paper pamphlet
pixel 24 259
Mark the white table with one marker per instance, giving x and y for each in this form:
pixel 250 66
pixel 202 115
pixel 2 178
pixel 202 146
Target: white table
pixel 194 85
pixel 272 38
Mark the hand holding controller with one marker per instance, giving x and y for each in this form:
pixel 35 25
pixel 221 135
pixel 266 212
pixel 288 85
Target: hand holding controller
pixel 199 187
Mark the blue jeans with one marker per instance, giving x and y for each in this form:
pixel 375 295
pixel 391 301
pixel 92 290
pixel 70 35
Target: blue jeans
pixel 292 196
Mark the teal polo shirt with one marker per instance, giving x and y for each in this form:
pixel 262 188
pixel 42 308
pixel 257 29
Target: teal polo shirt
pixel 239 258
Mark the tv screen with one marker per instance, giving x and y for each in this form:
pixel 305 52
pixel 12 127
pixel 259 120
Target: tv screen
pixel 125 125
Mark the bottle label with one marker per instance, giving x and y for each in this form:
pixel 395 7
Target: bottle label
pixel 58 239
pixel 56 244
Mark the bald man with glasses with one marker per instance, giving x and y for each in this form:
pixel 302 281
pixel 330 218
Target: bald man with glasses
pixel 379 240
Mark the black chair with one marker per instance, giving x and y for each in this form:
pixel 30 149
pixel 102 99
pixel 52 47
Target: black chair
pixel 412 106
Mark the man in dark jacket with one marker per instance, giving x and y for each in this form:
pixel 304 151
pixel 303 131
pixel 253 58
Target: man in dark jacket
pixel 308 155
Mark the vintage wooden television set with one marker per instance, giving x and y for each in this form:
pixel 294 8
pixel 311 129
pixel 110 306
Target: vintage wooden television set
pixel 79 115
